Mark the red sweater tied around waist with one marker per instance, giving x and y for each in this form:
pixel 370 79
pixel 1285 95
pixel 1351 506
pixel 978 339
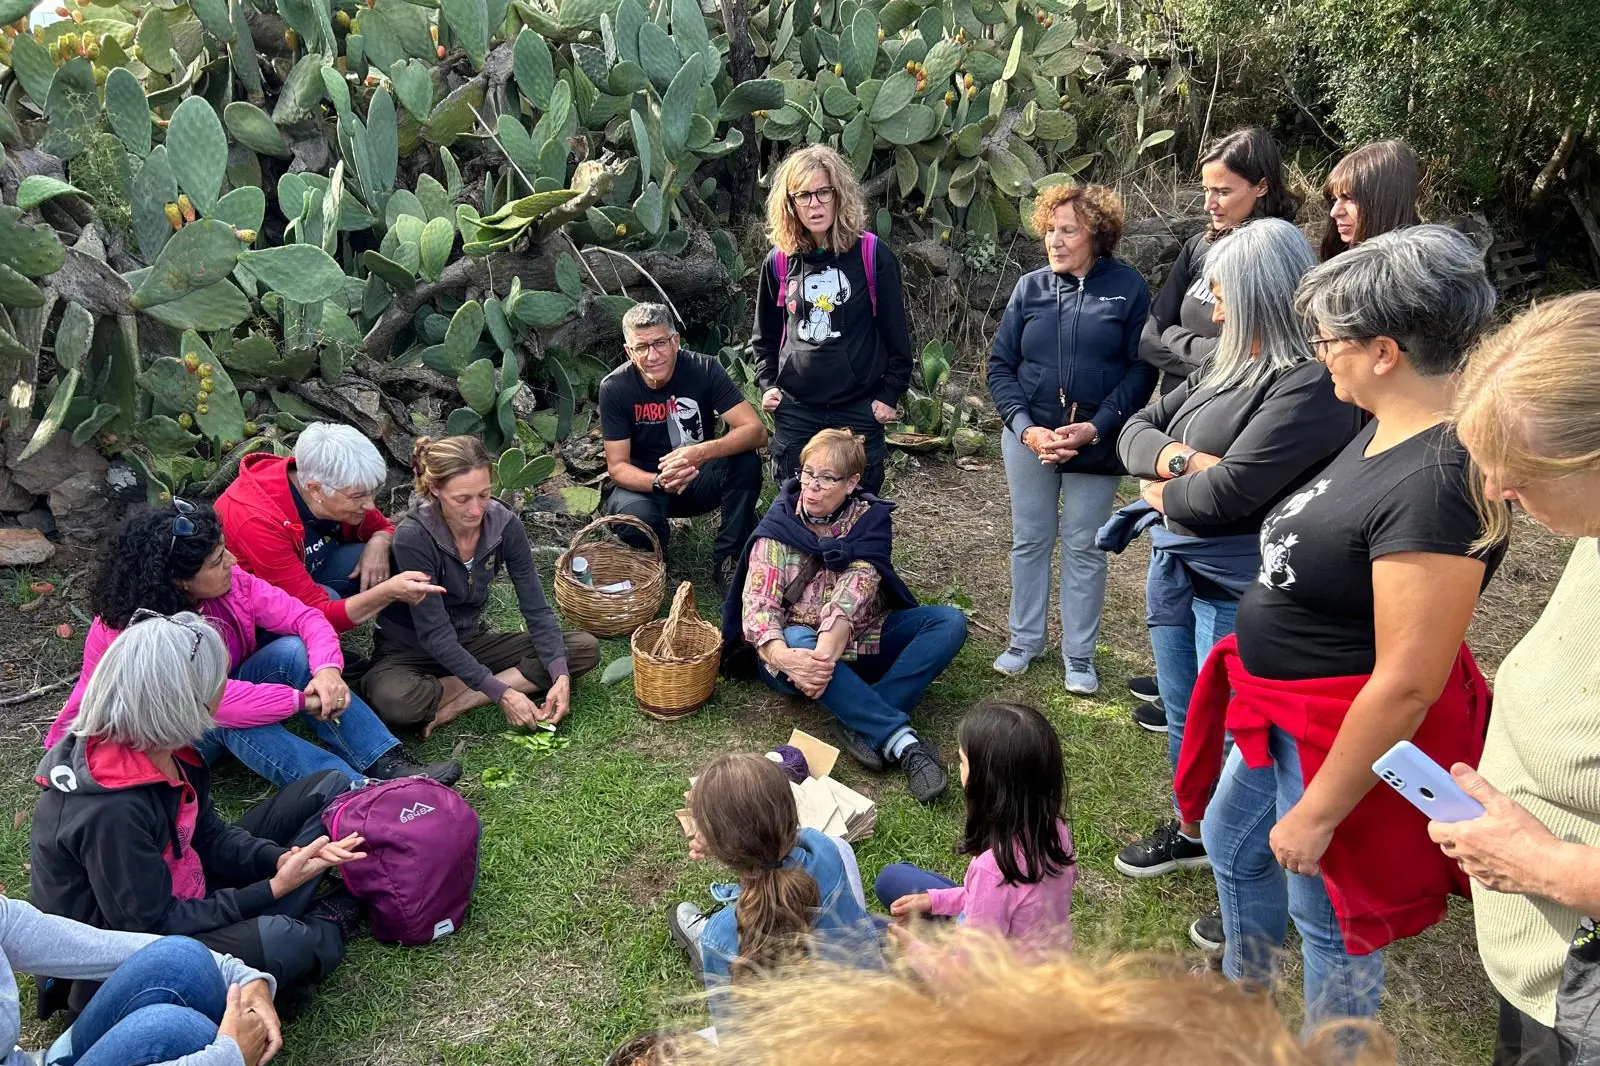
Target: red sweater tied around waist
pixel 1385 877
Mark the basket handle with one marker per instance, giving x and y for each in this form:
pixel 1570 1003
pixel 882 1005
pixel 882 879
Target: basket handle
pixel 682 603
pixel 614 520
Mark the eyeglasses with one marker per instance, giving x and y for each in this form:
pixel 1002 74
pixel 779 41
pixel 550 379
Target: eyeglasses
pixel 1319 345
pixel 827 481
pixel 144 614
pixel 182 521
pixel 807 197
pixel 368 497
pixel 660 344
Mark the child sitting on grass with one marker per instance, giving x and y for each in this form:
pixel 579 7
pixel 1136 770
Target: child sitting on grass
pixel 793 897
pixel 1020 883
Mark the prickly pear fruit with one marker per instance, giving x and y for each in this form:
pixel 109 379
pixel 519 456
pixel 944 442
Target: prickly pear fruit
pixel 201 409
pixel 838 70
pixel 248 236
pixel 192 361
pixel 174 216
pixel 186 420
pixel 291 38
pixel 439 51
pixel 186 205
pixel 341 19
pixel 622 229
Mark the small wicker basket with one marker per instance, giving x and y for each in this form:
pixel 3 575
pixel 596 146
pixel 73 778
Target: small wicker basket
pixel 675 660
pixel 611 614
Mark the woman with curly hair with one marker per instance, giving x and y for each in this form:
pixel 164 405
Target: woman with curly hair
pixel 1065 374
pixel 173 559
pixel 832 347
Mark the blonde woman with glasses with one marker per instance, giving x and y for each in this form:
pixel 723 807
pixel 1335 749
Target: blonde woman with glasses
pixel 832 346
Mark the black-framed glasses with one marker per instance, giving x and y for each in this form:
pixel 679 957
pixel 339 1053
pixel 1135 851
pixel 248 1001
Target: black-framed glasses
pixel 660 344
pixel 812 477
pixel 807 197
pixel 144 614
pixel 182 521
pixel 1319 344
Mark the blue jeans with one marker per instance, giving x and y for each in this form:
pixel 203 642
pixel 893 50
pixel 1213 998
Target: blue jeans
pixel 1180 650
pixel 906 879
pixel 332 569
pixel 163 1003
pixel 874 694
pixel 355 740
pixel 1259 897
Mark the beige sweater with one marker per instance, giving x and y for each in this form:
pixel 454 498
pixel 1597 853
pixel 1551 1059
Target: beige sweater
pixel 1543 751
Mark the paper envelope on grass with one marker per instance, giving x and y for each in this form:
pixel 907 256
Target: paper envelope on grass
pixel 822 803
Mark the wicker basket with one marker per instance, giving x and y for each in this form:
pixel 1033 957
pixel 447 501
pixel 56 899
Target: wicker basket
pixel 675 660
pixel 611 614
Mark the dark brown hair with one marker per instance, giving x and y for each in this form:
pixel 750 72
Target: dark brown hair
pixel 1099 208
pixel 745 815
pixel 1383 179
pixel 1252 154
pixel 1016 791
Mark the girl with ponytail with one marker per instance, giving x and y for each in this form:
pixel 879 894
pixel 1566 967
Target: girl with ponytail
pixel 794 897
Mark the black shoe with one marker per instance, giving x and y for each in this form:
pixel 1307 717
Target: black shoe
pixel 1206 933
pixel 859 748
pixel 925 776
pixel 1144 688
pixel 1161 852
pixel 723 572
pixel 340 909
pixel 1151 716
pixel 397 763
pixel 53 995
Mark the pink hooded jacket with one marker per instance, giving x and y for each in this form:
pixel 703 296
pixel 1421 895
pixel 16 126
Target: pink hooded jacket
pixel 249 603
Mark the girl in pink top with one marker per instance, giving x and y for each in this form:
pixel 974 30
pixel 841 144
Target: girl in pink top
pixel 1019 884
pixel 173 559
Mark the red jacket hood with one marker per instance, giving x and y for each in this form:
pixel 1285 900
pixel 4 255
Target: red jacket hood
pixel 263 485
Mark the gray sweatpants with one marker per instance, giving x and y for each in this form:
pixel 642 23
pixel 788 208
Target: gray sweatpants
pixel 1046 506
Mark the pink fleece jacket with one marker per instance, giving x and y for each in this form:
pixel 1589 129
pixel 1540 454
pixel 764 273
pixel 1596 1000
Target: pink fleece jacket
pixel 248 603
pixel 1040 913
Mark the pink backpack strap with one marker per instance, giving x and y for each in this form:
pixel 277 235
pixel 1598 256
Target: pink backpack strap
pixel 869 259
pixel 781 264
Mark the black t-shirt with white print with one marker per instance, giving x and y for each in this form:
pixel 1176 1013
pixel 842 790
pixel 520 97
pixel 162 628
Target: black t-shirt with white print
pixel 1310 612
pixel 657 421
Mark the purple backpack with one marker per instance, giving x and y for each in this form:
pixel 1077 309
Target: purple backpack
pixel 422 856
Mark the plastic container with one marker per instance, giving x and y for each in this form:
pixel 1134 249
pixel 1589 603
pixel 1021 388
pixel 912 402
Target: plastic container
pixel 581 571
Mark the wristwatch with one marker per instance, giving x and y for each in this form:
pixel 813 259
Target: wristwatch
pixel 1179 463
pixel 655 486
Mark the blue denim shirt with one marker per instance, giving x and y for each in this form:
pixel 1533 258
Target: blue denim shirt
pixel 843 931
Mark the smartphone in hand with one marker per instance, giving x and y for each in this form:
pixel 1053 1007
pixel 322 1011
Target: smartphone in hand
pixel 1425 784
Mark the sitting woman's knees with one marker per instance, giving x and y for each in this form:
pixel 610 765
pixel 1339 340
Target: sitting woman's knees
pixel 800 636
pixel 180 953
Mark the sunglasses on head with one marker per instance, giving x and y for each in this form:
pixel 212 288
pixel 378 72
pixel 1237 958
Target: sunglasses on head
pixel 182 521
pixel 144 614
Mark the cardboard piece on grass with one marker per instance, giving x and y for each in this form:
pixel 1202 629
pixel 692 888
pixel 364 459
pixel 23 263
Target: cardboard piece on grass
pixel 820 755
pixel 821 802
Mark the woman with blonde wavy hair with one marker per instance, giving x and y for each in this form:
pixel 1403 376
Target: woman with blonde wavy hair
pixel 832 346
pixel 435 660
pixel 1528 411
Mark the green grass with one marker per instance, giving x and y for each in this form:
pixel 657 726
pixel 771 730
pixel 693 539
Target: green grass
pixel 565 952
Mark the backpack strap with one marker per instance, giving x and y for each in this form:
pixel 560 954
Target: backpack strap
pixel 869 259
pixel 781 266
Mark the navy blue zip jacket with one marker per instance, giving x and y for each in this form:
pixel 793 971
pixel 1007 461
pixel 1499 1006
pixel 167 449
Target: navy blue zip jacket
pixel 1068 351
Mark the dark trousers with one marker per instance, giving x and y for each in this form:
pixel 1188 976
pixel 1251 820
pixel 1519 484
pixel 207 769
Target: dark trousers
pixel 731 484
pixel 404 684
pixel 795 423
pixel 1520 1040
pixel 296 952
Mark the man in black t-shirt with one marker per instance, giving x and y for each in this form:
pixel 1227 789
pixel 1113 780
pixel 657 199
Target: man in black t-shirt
pixel 657 414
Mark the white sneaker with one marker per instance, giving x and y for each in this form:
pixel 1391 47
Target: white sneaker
pixel 1081 678
pixel 686 922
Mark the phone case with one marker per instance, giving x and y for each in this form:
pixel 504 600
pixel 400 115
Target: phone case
pixel 1425 784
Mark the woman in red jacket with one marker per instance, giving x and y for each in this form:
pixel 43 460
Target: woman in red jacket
pixel 311 526
pixel 1351 639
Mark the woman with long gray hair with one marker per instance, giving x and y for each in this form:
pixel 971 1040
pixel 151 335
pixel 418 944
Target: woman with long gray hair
pixel 1351 639
pixel 1217 454
pixel 125 836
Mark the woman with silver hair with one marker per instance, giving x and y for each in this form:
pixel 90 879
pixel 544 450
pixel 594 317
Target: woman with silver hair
pixel 125 837
pixel 1255 422
pixel 1351 639
pixel 310 524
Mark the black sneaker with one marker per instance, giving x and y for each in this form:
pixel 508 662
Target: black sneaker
pixel 1206 933
pixel 859 748
pixel 340 909
pixel 397 762
pixel 925 776
pixel 1162 852
pixel 1144 688
pixel 1151 716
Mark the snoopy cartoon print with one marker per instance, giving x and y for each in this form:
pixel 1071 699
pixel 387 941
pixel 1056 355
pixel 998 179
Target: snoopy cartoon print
pixel 824 291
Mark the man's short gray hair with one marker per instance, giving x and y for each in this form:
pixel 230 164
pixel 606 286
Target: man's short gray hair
pixel 152 690
pixel 1424 287
pixel 1257 268
pixel 643 316
pixel 339 457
